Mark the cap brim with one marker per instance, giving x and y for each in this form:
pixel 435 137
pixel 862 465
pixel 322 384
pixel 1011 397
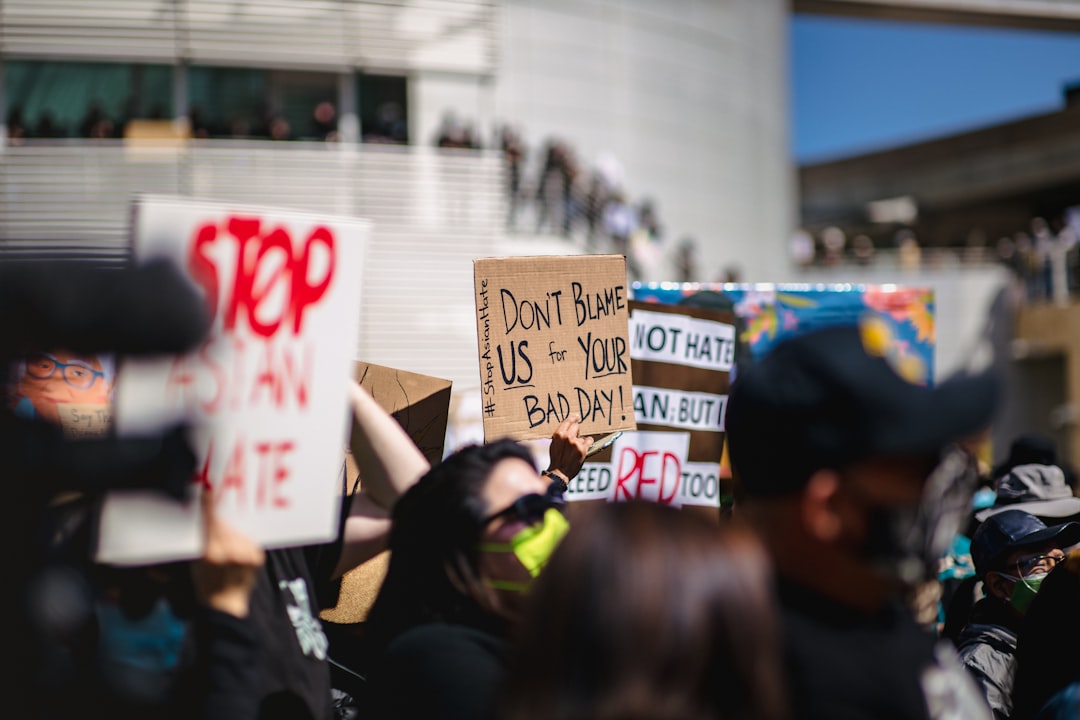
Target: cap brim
pixel 958 408
pixel 1067 534
pixel 1060 508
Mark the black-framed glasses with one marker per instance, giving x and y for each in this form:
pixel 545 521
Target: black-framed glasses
pixel 1027 566
pixel 78 374
pixel 531 508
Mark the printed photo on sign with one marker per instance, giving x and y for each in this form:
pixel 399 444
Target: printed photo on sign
pixel 63 388
pixel 266 392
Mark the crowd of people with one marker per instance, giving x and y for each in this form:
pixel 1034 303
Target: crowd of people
pixel 857 494
pixel 1044 257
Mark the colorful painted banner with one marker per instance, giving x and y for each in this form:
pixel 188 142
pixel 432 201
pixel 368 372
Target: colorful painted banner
pixel 767 313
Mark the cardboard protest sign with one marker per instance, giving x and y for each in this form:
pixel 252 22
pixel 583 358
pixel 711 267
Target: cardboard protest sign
pixel 267 391
pixel 682 359
pixel 421 405
pixel 552 335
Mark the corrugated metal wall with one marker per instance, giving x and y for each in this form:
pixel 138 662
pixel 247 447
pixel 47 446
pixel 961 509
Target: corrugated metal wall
pixel 434 212
pixel 400 35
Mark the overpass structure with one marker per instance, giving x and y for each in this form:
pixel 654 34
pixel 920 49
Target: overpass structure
pixel 1032 14
pixel 993 180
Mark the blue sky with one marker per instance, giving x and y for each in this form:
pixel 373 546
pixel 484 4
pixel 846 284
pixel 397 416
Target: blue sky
pixel 861 85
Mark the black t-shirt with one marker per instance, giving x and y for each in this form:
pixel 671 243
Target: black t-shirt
pixel 844 665
pixel 439 671
pixel 285 605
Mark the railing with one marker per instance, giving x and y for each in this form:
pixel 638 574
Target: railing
pixel 449 35
pixel 434 212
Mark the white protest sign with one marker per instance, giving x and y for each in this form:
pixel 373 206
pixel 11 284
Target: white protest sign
pixel 266 392
pixel 681 340
pixel 649 465
pixel 679 408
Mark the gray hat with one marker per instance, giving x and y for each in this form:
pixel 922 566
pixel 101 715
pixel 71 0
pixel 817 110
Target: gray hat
pixel 1038 489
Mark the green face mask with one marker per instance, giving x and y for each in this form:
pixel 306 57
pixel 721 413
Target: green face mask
pixel 1024 591
pixel 532 546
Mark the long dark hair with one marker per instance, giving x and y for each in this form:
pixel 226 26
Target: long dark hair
pixel 643 613
pixel 433 574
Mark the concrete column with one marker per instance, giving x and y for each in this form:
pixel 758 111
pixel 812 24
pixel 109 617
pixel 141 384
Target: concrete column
pixel 348 112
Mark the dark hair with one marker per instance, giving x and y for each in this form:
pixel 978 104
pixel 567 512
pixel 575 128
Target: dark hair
pixel 646 612
pixel 433 574
pixel 1045 657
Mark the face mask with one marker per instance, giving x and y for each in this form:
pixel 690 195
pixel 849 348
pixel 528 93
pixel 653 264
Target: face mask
pixel 1024 591
pixel 149 644
pixel 907 543
pixel 532 546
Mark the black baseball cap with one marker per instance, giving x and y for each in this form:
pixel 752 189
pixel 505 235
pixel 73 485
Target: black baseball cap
pixel 821 399
pixel 1011 530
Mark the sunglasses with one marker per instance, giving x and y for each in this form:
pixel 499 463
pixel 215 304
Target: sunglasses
pixel 531 508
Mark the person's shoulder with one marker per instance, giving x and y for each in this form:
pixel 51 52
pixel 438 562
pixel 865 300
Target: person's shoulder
pixel 444 637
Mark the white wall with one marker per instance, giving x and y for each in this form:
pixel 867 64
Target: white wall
pixel 689 95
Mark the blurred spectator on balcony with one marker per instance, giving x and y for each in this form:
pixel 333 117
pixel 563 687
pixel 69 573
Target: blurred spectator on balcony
pixel 16 131
pixel 731 274
pixel 1043 250
pixel 596 199
pixel 279 128
pixel 686 260
pixel 513 150
pixel 908 250
pixel 453 133
pixel 801 247
pixel 95 124
pixel 833 240
pixel 1027 263
pixel 863 249
pixel 196 124
pixel 46 127
pixel 619 222
pixel 324 122
pixel 548 190
pixel 389 127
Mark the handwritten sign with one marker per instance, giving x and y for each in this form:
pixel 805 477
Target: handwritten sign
pixel 553 342
pixel 266 392
pixel 681 358
pixel 421 405
pixel 649 465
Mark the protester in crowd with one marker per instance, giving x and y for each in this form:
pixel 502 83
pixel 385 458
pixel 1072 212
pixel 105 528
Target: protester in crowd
pixel 1033 449
pixel 297 583
pixel 648 612
pixel 1047 683
pixel 1013 551
pixel 1035 488
pixel 467 541
pixel 838 462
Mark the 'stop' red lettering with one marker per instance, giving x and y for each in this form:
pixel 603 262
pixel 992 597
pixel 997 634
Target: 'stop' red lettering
pixel 254 246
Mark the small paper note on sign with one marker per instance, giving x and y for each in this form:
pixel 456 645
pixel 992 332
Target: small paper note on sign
pixel 84 420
